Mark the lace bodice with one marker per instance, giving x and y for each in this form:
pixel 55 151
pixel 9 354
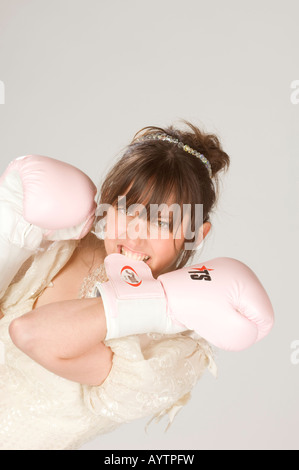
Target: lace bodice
pixel 152 375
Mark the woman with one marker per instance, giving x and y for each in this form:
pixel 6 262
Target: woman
pixel 62 383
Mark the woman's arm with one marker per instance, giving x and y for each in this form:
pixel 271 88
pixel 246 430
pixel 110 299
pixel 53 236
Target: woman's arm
pixel 66 338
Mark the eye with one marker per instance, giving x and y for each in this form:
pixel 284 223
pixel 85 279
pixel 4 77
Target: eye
pixel 161 224
pixel 130 213
pixel 123 210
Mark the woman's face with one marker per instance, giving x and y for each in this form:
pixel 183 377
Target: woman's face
pixel 150 241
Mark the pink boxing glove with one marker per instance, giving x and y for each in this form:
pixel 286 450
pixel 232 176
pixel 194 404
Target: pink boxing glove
pixel 40 199
pixel 222 300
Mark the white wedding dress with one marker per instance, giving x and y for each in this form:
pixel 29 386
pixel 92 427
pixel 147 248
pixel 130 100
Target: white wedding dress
pixel 152 375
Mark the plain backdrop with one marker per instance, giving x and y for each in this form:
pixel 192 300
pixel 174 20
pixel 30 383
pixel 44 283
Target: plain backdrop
pixel 82 76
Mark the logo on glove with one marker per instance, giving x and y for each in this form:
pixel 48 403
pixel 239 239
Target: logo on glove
pixel 203 276
pixel 130 276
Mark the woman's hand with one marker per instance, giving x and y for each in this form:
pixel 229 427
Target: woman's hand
pixel 66 338
pixel 1 315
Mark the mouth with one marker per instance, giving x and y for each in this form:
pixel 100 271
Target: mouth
pixel 123 250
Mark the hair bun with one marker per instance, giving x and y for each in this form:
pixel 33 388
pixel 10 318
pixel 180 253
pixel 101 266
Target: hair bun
pixel 208 144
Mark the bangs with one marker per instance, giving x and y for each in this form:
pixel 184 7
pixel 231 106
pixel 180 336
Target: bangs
pixel 156 190
pixel 163 185
pixel 160 197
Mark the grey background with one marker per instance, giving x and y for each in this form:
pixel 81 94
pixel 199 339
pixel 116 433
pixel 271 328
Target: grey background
pixel 81 77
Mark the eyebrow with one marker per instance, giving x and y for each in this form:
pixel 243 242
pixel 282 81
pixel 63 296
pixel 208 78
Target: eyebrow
pixel 168 216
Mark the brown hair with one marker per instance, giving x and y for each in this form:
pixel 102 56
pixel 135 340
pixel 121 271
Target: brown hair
pixel 155 170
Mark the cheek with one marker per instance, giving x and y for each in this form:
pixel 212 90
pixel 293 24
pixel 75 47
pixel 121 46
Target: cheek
pixel 165 257
pixel 169 244
pixel 170 250
pixel 111 234
pixel 116 225
pixel 109 246
pixel 164 251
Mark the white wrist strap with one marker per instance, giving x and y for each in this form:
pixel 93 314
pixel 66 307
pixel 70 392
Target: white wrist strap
pixel 134 316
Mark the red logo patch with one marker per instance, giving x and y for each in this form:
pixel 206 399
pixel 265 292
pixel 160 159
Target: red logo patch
pixel 130 276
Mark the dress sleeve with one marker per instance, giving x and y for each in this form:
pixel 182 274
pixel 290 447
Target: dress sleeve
pixel 152 375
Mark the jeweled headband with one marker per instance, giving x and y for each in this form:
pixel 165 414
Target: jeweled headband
pixel 184 147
